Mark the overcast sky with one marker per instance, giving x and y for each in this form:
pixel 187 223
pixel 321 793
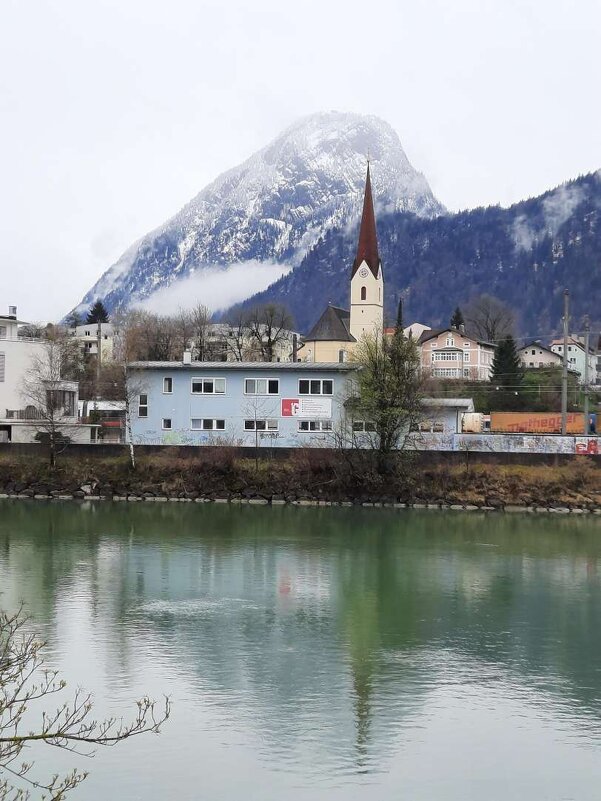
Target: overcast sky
pixel 114 113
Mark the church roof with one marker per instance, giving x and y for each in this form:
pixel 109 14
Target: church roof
pixel 332 326
pixel 367 248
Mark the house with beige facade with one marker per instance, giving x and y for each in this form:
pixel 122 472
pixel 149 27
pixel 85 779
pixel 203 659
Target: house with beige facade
pixel 452 353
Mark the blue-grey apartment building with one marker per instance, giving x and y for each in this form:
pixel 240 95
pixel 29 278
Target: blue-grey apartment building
pixel 283 404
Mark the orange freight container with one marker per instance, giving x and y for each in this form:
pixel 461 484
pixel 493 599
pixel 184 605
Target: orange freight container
pixel 534 422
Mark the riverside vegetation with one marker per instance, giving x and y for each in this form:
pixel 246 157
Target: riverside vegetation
pixel 305 476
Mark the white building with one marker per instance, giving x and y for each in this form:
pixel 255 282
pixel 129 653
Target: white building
pixel 91 335
pixel 20 419
pixel 576 358
pixel 535 354
pixel 16 354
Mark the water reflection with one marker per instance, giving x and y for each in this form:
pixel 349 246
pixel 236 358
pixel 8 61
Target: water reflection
pixel 335 636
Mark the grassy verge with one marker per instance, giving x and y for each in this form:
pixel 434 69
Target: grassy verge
pixel 306 475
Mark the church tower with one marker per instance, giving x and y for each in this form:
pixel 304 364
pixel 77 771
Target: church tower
pixel 367 280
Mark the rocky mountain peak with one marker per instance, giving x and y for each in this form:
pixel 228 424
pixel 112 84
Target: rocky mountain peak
pixel 273 207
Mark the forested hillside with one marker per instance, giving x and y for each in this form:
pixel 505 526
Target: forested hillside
pixel 525 255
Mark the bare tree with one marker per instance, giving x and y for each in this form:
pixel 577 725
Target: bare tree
pixel 183 332
pixel 201 320
pixel 489 318
pixel 269 325
pixel 384 402
pixel 238 335
pixel 25 682
pixel 50 392
pixel 134 390
pixel 261 411
pixel 146 337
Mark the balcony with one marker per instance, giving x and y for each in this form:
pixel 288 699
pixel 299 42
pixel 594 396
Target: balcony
pixel 28 413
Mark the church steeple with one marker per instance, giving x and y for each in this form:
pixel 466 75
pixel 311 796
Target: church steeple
pixel 367 281
pixel 367 247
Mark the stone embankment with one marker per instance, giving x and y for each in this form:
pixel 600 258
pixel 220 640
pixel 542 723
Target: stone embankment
pixel 96 492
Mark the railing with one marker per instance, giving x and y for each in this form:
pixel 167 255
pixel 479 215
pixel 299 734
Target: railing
pixel 30 413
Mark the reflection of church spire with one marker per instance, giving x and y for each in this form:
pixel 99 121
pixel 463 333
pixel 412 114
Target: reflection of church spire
pixel 362 671
pixel 362 631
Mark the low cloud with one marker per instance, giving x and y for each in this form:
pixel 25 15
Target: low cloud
pixel 557 209
pixel 560 205
pixel 524 236
pixel 215 287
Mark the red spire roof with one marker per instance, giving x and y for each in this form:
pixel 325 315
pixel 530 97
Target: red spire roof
pixel 367 249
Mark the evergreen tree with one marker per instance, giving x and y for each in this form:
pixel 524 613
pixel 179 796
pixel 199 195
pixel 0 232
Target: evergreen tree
pixel 507 376
pixel 399 318
pixel 97 314
pixel 457 318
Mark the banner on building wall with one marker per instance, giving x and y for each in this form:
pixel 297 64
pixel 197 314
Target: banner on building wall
pixel 307 407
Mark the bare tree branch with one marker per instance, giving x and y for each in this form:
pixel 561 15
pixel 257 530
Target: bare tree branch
pixel 25 679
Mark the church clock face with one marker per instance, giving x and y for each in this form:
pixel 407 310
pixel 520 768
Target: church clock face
pixel 363 272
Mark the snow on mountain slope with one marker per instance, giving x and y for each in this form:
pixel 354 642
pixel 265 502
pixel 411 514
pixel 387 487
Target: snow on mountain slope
pixel 272 208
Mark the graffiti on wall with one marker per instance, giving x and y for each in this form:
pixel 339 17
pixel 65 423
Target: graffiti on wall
pixel 503 443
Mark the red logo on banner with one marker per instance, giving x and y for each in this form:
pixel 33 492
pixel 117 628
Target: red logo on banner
pixel 290 407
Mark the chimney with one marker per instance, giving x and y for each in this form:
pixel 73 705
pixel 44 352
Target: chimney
pixel 294 348
pixel 12 312
pixel 187 357
pixel 462 328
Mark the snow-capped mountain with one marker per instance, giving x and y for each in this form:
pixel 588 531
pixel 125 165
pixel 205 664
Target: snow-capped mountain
pixel 272 208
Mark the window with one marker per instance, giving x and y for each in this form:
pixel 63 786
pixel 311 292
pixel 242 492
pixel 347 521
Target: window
pixel 363 293
pixel 450 342
pixel 143 406
pixel 261 425
pixel 166 423
pixel 167 386
pixel 208 386
pixel 315 386
pixel 261 386
pixel 2 366
pixel 466 344
pixel 2 332
pixel 204 424
pixel 466 372
pixel 364 425
pixel 305 426
pixel 443 356
pixel 466 357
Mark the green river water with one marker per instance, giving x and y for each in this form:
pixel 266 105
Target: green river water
pixel 322 653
